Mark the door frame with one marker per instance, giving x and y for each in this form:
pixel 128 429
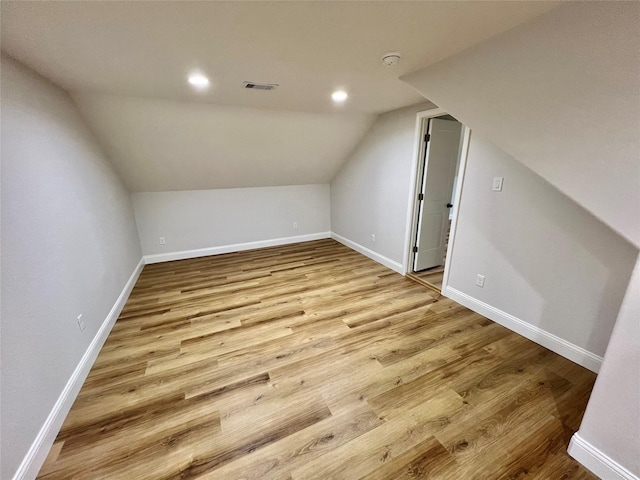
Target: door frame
pixel 416 184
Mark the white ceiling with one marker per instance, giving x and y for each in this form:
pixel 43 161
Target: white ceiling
pixel 147 48
pixel 159 145
pixel 562 96
pixel 126 65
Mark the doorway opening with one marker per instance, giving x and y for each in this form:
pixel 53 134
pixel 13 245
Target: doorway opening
pixel 443 142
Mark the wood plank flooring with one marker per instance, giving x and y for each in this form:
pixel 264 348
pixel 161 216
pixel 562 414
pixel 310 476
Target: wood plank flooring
pixel 431 278
pixel 310 361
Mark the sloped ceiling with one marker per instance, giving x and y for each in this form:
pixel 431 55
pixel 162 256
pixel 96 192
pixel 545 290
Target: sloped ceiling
pixel 562 95
pixel 126 63
pixel 159 145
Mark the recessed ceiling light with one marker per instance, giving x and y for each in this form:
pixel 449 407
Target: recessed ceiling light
pixel 339 96
pixel 199 81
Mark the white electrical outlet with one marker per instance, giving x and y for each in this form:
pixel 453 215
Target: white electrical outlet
pixel 497 184
pixel 295 225
pixel 480 280
pixel 81 324
pixel 373 237
pixel 162 242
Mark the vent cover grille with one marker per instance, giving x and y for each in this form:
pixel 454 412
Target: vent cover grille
pixel 260 86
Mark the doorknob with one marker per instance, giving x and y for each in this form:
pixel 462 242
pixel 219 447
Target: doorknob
pixel 449 205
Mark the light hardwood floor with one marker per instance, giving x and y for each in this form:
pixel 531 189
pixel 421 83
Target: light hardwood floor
pixel 311 361
pixel 431 278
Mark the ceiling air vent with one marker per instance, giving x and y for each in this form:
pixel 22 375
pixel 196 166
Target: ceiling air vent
pixel 260 86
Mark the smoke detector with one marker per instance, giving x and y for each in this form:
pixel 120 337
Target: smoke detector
pixel 260 86
pixel 390 59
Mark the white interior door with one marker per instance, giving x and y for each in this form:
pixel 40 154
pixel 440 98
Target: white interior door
pixel 443 148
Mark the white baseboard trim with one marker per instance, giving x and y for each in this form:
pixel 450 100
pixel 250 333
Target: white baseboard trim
pixel 554 343
pixel 597 461
pixel 236 247
pixel 37 454
pixel 387 262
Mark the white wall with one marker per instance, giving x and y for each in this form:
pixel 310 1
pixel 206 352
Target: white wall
pixel 206 219
pixel 549 264
pixel 546 260
pixel 69 245
pixel 560 94
pixel 370 193
pixel 611 424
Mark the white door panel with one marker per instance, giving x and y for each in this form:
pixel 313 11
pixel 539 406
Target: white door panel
pixel 441 158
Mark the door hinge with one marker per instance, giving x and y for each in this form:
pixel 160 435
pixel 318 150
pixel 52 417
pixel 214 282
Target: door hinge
pixel 421 196
pixel 427 137
pixel 415 249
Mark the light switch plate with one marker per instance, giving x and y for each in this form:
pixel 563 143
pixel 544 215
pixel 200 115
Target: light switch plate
pixel 497 184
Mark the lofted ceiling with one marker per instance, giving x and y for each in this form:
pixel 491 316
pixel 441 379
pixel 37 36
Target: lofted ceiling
pixel 124 61
pixel 560 94
pixel 310 48
pixel 159 145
